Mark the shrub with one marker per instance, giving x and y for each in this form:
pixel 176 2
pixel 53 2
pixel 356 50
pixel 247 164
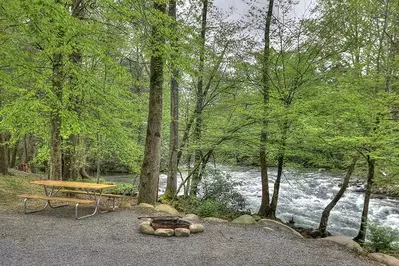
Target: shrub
pixel 186 204
pixel 218 197
pixel 382 238
pixel 219 186
pixel 121 189
pixel 210 208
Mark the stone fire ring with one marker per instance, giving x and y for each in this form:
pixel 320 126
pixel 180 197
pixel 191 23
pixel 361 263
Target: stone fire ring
pixel 169 226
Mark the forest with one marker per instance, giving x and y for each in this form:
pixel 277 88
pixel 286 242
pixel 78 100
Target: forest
pixel 156 86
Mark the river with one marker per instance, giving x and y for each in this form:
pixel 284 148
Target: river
pixel 303 195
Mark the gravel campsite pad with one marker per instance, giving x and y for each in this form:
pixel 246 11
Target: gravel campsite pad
pixel 54 237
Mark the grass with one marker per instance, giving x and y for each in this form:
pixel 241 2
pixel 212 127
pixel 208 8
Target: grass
pixel 11 186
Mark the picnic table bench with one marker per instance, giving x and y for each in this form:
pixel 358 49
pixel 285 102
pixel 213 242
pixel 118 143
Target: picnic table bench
pixel 53 187
pixel 84 192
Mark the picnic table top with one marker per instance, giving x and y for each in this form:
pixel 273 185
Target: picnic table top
pixel 70 184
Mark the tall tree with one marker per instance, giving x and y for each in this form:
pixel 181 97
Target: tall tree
pixel 58 80
pixel 264 207
pixel 70 167
pixel 171 184
pixel 152 152
pixel 199 102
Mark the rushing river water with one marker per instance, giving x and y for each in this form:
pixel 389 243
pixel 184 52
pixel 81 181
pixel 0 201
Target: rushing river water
pixel 303 195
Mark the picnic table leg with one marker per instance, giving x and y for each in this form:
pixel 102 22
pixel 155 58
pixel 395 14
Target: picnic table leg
pixel 99 199
pixel 96 207
pixel 50 194
pixel 26 207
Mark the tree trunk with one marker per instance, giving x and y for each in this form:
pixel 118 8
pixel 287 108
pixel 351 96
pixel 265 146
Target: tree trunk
pixel 280 163
pixel 199 104
pixel 264 207
pixel 30 147
pixel 326 212
pixel 171 184
pixel 3 154
pixel 58 79
pixel 361 236
pixel 70 151
pixel 83 173
pixel 149 175
pixel 276 190
pixel 13 156
pixel 56 155
pixel 70 167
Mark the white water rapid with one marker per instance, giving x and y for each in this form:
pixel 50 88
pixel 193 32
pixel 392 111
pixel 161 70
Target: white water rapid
pixel 303 195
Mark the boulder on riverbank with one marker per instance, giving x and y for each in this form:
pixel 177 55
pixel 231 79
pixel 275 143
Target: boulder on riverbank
pixel 386 259
pixel 345 241
pixel 277 226
pixel 244 219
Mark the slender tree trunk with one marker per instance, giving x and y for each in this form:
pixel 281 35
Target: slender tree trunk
pixel 326 212
pixel 70 167
pixel 188 179
pixel 30 141
pixel 149 175
pixel 58 79
pixel 361 236
pixel 276 190
pixel 199 104
pixel 13 156
pixel 3 154
pixel 280 164
pixel 98 170
pixel 55 146
pixel 264 207
pixel 171 184
pixel 70 148
pixel 56 155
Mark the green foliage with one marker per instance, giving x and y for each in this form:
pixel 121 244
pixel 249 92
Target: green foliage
pixel 382 238
pixel 218 186
pixel 186 204
pixel 218 197
pixel 212 208
pixel 122 189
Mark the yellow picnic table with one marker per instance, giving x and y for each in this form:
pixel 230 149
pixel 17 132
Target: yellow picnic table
pixel 53 187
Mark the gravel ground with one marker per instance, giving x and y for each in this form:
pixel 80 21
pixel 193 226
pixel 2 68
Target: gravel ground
pixel 54 237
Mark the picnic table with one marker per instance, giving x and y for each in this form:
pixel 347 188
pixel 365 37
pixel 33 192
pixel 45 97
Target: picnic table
pixel 52 189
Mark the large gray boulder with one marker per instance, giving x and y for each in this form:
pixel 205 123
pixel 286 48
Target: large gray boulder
pixel 166 209
pixel 215 220
pixel 164 232
pixel 345 241
pixel 386 259
pixel 244 219
pixel 277 226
